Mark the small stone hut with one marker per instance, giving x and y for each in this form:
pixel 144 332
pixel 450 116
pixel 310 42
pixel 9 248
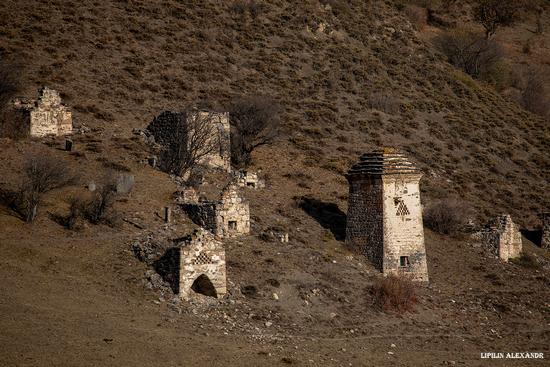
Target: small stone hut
pixel 384 220
pixel 202 265
pixel 227 217
pixel 47 115
pixel 545 241
pixel 173 125
pixel 248 179
pixel 501 237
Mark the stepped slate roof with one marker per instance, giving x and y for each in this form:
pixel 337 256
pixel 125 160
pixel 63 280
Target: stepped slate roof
pixel 386 161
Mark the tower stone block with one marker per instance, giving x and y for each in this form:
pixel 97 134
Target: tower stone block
pixel 202 266
pixel 502 238
pixel 545 241
pixel 384 219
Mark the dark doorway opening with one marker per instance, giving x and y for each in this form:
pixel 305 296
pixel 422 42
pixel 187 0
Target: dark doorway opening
pixel 233 225
pixel 204 286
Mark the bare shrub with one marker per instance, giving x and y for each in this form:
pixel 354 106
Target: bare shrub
pixel 393 293
pixel 493 14
pixel 191 141
pixel 43 173
pixel 469 51
pixel 447 216
pixel 384 102
pixel 251 7
pixel 417 15
pixel 254 122
pixel 98 209
pixel 535 96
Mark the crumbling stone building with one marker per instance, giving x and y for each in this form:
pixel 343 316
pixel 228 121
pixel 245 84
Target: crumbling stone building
pixel 227 217
pixel 169 126
pixel 545 241
pixel 202 265
pixel 47 115
pixel 384 220
pixel 248 179
pixel 501 237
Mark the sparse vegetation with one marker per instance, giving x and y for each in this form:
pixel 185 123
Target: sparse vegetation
pixel 254 122
pixel 447 216
pixel 493 14
pixel 42 173
pixel 394 293
pixel 535 96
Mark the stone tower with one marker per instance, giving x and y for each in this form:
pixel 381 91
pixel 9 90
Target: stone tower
pixel 384 219
pixel 545 241
pixel 202 265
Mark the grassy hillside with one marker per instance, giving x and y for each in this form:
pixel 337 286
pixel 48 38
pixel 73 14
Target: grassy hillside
pixel 82 298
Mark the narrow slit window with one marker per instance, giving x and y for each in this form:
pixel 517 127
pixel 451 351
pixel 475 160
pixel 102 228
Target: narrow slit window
pixel 404 261
pixel 232 225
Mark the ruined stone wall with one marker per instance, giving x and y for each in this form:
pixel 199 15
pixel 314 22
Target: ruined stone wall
pixel 173 125
pixel 203 214
pixel 202 255
pixel 248 179
pixel 164 127
pixel 404 250
pixel 502 238
pixel 364 229
pixel 545 242
pixel 233 214
pixel 47 115
pixel 221 157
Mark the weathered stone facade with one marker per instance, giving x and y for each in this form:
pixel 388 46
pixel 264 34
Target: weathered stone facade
pixel 202 265
pixel 47 115
pixel 384 219
pixel 248 179
pixel 164 128
pixel 227 217
pixel 501 237
pixel 545 241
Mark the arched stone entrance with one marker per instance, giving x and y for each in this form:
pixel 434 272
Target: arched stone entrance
pixel 204 286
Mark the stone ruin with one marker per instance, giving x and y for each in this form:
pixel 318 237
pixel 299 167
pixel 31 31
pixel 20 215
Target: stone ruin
pixel 201 265
pixel 545 241
pixel 227 217
pixel 501 237
pixel 47 116
pixel 164 129
pixel 248 179
pixel 384 220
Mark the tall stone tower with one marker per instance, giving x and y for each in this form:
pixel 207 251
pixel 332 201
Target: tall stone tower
pixel 384 219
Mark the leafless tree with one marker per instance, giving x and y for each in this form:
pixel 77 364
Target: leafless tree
pixel 43 173
pixel 195 136
pixel 469 51
pixel 493 14
pixel 254 122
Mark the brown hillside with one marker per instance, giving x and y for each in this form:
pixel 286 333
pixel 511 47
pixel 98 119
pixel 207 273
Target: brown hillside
pixel 81 298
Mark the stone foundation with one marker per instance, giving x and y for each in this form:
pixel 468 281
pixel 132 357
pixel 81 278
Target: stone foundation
pixel 384 220
pixel 202 266
pixel 47 115
pixel 501 237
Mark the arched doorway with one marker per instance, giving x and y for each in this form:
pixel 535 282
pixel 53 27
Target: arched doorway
pixel 203 285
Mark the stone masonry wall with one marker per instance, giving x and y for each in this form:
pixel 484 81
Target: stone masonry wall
pixel 403 227
pixel 545 217
pixel 165 128
pixel 248 179
pixel 233 214
pixel 201 255
pixel 228 217
pixel 502 238
pixel 47 115
pixel 364 229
